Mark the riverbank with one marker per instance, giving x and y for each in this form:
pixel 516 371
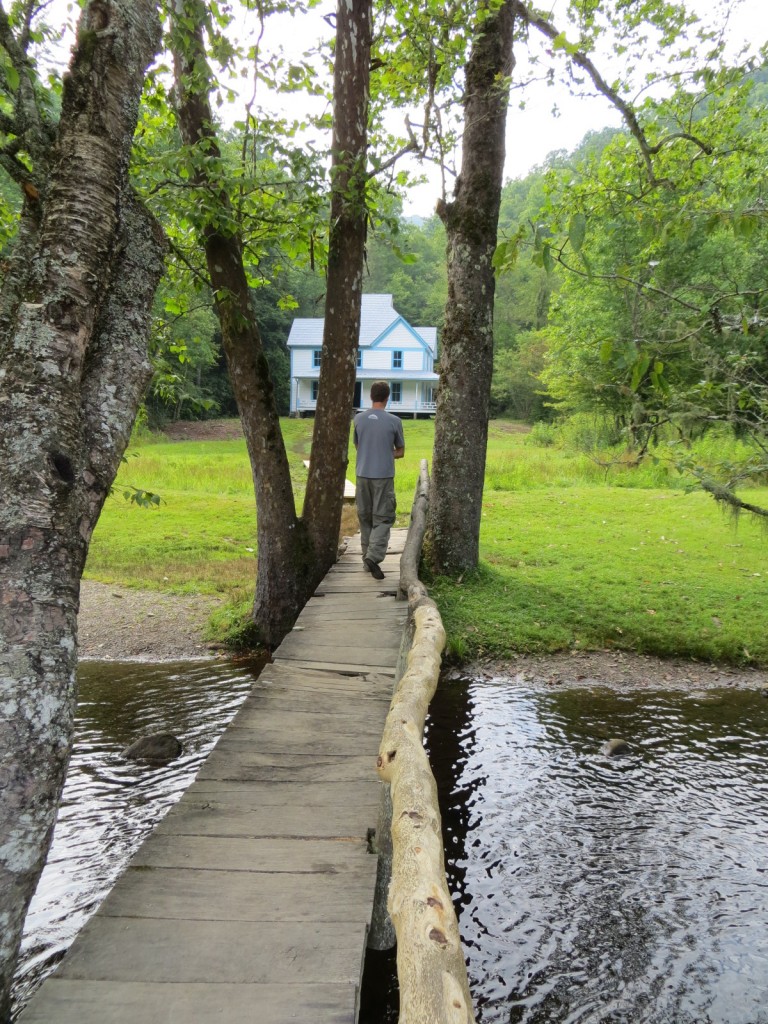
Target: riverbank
pixel 122 624
pixel 619 670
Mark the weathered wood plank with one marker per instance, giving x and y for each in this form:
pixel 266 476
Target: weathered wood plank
pixel 323 707
pixel 334 666
pixel 302 648
pixel 214 815
pixel 226 952
pixel 360 585
pixel 254 855
pixel 252 766
pixel 298 727
pixel 355 681
pixel 351 633
pixel 180 894
pixel 110 1002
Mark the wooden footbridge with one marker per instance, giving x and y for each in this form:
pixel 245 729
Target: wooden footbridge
pixel 252 898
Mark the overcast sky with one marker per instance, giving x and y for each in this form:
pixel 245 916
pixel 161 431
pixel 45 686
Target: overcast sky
pixel 541 118
pixel 551 118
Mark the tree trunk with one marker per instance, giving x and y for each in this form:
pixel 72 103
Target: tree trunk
pixel 73 368
pixel 293 554
pixel 466 359
pixel 330 439
pixel 284 555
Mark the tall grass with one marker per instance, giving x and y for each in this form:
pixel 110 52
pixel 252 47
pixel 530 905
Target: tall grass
pixel 579 550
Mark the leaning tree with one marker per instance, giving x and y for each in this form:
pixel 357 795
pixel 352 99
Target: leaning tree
pixel 74 325
pixel 294 552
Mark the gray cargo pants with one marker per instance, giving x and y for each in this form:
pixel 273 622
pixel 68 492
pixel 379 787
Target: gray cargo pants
pixel 376 508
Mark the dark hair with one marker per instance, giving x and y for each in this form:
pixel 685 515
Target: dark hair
pixel 379 391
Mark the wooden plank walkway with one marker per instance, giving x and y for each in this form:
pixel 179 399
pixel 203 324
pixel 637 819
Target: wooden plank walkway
pixel 252 898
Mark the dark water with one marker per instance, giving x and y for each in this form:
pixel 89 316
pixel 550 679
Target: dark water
pixel 611 890
pixel 109 803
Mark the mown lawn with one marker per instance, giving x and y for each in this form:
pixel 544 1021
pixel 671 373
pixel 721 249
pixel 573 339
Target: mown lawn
pixel 574 556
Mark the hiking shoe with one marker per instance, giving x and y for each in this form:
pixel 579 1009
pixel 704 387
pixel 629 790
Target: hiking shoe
pixel 373 569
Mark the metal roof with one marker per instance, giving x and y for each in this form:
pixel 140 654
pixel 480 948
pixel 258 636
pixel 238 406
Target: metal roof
pixel 377 315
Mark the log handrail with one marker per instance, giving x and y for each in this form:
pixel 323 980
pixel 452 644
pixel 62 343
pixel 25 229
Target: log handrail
pixel 431 972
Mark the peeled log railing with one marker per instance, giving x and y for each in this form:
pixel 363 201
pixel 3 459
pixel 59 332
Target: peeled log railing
pixel 431 972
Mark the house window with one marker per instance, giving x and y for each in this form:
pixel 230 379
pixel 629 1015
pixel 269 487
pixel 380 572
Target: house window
pixel 359 358
pixel 397 360
pixel 315 389
pixel 316 353
pixel 397 392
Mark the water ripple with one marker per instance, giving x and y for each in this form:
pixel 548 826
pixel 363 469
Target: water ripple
pixel 110 804
pixel 608 890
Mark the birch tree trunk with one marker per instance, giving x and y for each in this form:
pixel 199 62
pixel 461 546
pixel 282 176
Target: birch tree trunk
pixel 330 439
pixel 466 360
pixel 73 369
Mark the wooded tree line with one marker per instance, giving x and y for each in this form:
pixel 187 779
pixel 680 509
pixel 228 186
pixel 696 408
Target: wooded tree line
pixel 545 318
pixel 123 173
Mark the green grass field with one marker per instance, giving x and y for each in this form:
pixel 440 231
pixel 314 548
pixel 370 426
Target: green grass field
pixel 573 556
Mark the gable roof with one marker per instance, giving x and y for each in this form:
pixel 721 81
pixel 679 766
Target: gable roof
pixel 377 316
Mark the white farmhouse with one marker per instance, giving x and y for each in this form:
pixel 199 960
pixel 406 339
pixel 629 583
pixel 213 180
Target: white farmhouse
pixel 388 349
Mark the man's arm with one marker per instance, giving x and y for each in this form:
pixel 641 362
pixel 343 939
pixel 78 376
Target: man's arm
pixel 399 442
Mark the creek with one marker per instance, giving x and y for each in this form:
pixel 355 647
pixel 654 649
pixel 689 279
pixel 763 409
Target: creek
pixel 607 890
pixel 110 804
pixel 591 889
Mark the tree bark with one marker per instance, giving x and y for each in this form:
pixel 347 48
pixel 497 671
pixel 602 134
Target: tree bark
pixel 73 368
pixel 293 554
pixel 466 359
pixel 431 972
pixel 411 556
pixel 330 439
pixel 285 568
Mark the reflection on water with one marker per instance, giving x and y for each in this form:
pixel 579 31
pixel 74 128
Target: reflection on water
pixel 610 890
pixel 109 803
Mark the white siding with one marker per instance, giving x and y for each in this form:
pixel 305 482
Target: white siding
pixel 377 359
pixel 400 337
pixel 305 395
pixel 413 360
pixel 408 397
pixel 302 360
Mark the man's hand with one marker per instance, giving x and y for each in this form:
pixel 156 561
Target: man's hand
pixel 399 453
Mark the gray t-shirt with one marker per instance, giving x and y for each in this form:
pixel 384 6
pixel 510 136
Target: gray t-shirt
pixel 377 434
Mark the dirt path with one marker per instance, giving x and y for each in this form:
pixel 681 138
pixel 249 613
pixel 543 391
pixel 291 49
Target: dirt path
pixel 120 624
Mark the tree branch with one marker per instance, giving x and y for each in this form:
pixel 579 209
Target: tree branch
pixel 727 497
pixel 630 118
pixel 411 147
pixel 627 280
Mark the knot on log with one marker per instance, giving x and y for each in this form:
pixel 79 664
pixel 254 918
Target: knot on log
pixel 437 936
pixel 414 815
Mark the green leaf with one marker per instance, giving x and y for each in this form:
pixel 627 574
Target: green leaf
pixel 577 230
pixel 12 76
pixel 639 371
pixel 546 258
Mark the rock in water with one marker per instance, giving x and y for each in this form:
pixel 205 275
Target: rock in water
pixel 615 747
pixel 162 746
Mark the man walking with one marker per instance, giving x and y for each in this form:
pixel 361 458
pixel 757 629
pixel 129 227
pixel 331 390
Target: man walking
pixel 379 441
